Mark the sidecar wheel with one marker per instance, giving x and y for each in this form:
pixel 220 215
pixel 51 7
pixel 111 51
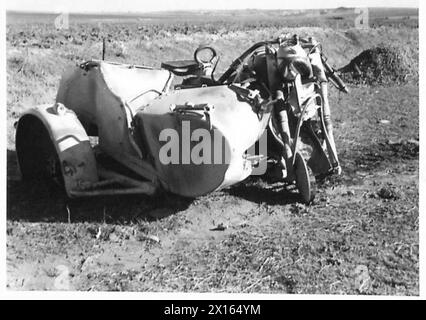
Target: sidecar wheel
pixel 305 180
pixel 36 153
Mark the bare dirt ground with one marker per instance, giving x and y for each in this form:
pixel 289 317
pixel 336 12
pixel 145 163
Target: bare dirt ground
pixel 360 235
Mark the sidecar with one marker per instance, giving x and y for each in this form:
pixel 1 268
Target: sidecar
pixel 127 129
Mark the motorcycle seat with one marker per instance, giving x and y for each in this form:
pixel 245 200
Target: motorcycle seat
pixel 181 67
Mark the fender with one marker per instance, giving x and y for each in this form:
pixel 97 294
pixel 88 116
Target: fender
pixel 71 143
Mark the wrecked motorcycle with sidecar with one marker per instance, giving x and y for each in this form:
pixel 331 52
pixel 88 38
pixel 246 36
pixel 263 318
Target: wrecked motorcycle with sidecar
pixel 128 129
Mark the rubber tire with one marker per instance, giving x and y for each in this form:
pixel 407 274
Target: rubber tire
pixel 37 157
pixel 305 180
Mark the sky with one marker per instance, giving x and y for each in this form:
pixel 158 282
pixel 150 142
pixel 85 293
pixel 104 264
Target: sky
pixel 161 5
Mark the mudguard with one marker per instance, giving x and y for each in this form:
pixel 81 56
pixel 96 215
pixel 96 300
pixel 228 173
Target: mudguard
pixel 75 154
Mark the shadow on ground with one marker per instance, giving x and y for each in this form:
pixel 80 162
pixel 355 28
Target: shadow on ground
pixel 42 201
pixel 255 189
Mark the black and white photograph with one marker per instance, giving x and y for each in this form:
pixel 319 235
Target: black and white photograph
pixel 268 148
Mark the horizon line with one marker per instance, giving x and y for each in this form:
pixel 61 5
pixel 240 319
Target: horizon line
pixel 195 10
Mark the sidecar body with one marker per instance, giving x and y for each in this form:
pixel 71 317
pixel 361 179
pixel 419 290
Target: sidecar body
pixel 116 128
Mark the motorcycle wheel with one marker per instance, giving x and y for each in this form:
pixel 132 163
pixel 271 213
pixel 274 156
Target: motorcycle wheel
pixel 305 180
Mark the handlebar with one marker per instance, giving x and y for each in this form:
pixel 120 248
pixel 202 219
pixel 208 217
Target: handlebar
pixel 254 47
pixel 240 59
pixel 309 43
pixel 306 43
pixel 332 74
